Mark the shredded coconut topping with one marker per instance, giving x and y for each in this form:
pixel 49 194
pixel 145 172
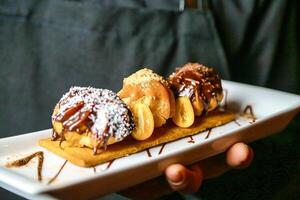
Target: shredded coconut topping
pixel 108 115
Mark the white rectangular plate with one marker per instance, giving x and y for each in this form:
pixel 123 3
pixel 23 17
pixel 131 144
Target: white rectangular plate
pixel 273 111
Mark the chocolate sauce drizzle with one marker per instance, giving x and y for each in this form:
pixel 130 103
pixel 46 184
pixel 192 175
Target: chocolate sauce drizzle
pixel 95 149
pixel 57 174
pixel 94 169
pixel 109 164
pixel 148 153
pixel 161 149
pixel 55 136
pixel 248 113
pixel 208 133
pixel 236 122
pixel 191 139
pixel 23 161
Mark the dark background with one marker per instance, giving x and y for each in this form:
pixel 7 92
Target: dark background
pixel 48 46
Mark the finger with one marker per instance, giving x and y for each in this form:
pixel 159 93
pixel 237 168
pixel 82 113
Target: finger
pixel 189 179
pixel 184 179
pixel 239 156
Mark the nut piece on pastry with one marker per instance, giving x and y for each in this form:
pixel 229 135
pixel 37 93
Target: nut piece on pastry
pixel 150 89
pixel 144 122
pixel 184 116
pixel 201 84
pixel 91 117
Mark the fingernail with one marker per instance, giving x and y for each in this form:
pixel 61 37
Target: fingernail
pixel 247 161
pixel 176 179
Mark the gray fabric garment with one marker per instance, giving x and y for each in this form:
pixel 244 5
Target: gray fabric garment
pixel 48 46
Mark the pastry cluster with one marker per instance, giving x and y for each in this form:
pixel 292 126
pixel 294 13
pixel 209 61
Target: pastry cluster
pixel 94 118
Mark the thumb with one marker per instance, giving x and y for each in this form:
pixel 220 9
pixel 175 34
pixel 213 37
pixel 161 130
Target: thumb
pixel 184 179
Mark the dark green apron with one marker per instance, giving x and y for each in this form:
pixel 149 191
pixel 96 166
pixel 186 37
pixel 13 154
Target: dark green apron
pixel 48 46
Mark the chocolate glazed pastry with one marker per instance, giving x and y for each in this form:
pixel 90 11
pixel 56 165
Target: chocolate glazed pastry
pixel 201 84
pixel 91 117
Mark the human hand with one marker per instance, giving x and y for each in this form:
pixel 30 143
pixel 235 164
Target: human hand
pixel 189 179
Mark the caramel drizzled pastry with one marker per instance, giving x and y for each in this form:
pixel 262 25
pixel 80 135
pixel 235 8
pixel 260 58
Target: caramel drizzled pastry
pixel 91 117
pixel 150 89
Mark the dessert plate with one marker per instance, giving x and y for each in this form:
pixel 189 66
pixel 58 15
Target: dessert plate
pixel 260 112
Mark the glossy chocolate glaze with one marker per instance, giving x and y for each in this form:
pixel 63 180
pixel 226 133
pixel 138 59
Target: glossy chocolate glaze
pixel 197 82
